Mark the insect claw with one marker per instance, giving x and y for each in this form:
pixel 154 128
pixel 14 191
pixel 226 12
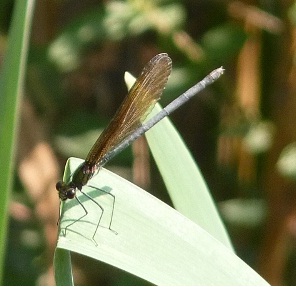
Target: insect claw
pixel 115 232
pixel 95 242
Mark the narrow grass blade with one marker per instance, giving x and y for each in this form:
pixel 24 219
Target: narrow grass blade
pixel 11 82
pixel 63 269
pixel 183 179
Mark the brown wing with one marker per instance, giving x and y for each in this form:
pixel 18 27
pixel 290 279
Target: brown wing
pixel 136 106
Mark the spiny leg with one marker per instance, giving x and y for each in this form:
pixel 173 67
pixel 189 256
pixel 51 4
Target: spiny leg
pixel 60 213
pixel 102 209
pixel 112 212
pixel 113 206
pixel 85 214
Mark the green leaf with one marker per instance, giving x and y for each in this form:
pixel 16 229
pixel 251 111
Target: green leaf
pixel 185 184
pixel 11 82
pixel 154 241
pixel 63 271
pixel 223 43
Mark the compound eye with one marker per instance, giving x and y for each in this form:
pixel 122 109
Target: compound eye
pixel 59 185
pixel 71 193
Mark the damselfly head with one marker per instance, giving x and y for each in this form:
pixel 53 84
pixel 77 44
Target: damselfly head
pixel 66 191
